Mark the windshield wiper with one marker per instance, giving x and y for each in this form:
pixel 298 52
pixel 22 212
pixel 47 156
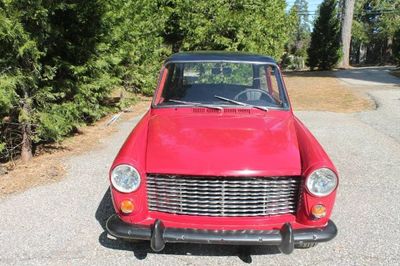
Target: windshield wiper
pixel 196 104
pixel 241 103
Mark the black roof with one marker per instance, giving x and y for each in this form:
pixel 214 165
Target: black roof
pixel 219 56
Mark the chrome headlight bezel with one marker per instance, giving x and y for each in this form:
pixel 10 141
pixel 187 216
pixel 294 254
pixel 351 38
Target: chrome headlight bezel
pixel 321 173
pixel 132 177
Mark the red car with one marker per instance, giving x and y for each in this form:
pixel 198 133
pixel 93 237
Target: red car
pixel 220 158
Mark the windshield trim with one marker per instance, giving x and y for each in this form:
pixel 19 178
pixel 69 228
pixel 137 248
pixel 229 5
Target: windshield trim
pixel 223 106
pixel 282 87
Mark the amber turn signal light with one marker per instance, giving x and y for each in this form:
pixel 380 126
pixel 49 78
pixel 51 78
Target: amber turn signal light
pixel 127 206
pixel 318 211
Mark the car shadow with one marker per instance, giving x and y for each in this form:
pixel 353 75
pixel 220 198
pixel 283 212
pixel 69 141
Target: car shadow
pixel 141 249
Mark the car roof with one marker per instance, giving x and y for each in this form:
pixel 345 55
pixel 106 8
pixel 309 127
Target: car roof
pixel 219 56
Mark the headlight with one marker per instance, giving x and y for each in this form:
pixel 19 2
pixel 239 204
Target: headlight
pixel 125 178
pixel 321 182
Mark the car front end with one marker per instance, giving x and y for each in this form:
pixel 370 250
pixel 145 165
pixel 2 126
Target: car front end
pixel 213 210
pixel 205 171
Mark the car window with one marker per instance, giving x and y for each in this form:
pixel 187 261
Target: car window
pixel 218 73
pixel 200 82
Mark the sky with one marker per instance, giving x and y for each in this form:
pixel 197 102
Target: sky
pixel 312 5
pixel 312 8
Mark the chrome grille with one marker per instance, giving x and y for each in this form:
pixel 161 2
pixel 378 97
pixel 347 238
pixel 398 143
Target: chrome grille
pixel 222 196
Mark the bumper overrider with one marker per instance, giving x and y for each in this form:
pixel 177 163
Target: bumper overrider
pixel 158 234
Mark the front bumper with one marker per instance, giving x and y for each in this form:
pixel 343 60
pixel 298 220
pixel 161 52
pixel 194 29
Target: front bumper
pixel 158 234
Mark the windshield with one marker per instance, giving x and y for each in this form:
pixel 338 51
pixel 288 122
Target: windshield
pixel 215 83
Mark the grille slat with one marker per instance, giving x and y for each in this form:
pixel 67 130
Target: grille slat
pixel 205 209
pixel 222 196
pixel 218 190
pixel 272 180
pixel 217 184
pixel 235 200
pixel 213 205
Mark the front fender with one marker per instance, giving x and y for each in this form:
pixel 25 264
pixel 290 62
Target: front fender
pixel 133 152
pixel 313 157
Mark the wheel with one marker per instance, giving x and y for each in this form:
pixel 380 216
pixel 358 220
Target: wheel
pixel 305 245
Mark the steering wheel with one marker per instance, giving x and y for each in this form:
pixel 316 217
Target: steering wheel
pixel 254 94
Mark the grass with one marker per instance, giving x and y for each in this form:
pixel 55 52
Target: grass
pixel 322 91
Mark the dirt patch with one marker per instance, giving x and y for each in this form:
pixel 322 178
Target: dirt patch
pixel 322 91
pixel 47 165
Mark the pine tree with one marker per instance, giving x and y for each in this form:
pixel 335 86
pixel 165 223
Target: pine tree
pixel 255 26
pixel 324 51
pixel 49 81
pixel 134 46
pixel 19 72
pixel 60 60
pixel 374 26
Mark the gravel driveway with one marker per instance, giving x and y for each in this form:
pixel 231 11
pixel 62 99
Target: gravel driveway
pixel 63 223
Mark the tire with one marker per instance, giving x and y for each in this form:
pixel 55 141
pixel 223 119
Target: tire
pixel 305 245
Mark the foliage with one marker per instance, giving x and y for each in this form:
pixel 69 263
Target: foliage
pixel 134 46
pixel 228 73
pixel 299 37
pixel 254 26
pixel 60 60
pixel 19 71
pixel 51 78
pixel 324 50
pixel 374 25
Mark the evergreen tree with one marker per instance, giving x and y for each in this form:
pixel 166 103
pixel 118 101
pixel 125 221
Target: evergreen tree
pixel 374 26
pixel 19 77
pixel 48 72
pixel 60 60
pixel 134 46
pixel 255 26
pixel 324 51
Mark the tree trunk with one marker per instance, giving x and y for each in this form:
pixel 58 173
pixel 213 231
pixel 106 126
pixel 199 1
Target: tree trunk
pixel 26 130
pixel 348 9
pixel 363 53
pixel 388 50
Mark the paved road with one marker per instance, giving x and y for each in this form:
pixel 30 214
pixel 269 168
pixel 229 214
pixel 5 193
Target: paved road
pixel 63 223
pixel 369 76
pixel 383 88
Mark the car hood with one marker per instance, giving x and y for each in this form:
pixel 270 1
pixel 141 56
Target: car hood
pixel 223 145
